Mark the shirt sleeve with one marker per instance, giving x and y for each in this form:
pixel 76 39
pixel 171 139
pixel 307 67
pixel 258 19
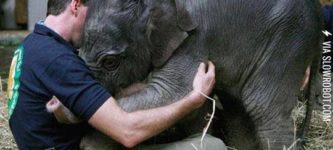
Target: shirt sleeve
pixel 70 80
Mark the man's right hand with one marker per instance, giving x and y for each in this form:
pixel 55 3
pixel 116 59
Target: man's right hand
pixel 203 82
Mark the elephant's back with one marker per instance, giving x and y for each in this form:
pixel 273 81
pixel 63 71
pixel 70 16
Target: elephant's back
pixel 246 21
pixel 244 35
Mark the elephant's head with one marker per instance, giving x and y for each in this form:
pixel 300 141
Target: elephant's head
pixel 125 39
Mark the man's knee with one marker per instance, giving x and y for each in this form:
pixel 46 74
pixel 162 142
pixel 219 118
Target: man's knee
pixel 192 142
pixel 209 142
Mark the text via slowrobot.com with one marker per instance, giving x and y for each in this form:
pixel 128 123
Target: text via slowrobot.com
pixel 326 68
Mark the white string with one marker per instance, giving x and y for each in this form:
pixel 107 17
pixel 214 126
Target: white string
pixel 209 122
pixel 194 146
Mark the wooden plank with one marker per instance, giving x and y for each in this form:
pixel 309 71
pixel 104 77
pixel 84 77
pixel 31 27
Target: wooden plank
pixel 1 91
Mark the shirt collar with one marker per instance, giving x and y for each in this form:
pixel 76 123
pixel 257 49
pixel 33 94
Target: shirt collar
pixel 41 29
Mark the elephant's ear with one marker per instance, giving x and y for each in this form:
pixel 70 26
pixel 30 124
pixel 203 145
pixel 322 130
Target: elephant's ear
pixel 167 29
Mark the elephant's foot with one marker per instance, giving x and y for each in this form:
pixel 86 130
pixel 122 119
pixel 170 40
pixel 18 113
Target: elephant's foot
pixel 278 137
pixel 239 131
pixel 95 140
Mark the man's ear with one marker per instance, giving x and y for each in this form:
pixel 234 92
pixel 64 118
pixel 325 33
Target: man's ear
pixel 167 29
pixel 74 6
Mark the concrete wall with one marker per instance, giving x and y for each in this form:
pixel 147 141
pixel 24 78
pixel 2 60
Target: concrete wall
pixel 8 20
pixel 36 11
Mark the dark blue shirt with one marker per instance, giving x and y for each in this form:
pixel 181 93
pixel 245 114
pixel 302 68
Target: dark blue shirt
pixel 46 65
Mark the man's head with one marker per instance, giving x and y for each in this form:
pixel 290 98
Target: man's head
pixel 56 7
pixel 67 18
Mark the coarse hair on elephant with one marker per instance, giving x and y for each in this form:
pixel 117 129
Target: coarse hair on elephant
pixel 260 48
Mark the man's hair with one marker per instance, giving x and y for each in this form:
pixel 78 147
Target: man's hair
pixel 56 7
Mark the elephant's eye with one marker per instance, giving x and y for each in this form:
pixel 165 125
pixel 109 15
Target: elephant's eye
pixel 110 63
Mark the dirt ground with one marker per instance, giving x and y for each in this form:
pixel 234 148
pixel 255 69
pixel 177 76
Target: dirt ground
pixel 6 139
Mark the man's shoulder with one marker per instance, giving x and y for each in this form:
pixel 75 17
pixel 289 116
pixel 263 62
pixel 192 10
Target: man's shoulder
pixel 44 45
pixel 42 51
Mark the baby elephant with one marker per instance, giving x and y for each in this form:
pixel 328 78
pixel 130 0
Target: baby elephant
pixel 261 49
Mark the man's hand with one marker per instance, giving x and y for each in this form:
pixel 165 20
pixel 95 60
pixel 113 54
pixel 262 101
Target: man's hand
pixel 203 82
pixel 61 112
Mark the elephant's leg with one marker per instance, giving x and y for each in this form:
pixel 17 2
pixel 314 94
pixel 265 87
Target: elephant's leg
pixel 238 128
pixel 167 85
pixel 269 106
pixel 164 86
pixel 273 118
pixel 136 87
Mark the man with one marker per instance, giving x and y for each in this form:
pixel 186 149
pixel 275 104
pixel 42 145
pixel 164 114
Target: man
pixel 46 65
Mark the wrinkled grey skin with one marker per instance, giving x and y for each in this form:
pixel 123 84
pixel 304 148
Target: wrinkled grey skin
pixel 260 48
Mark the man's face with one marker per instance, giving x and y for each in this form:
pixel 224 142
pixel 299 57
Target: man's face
pixel 81 17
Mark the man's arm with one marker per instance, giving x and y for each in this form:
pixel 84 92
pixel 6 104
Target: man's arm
pixel 132 128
